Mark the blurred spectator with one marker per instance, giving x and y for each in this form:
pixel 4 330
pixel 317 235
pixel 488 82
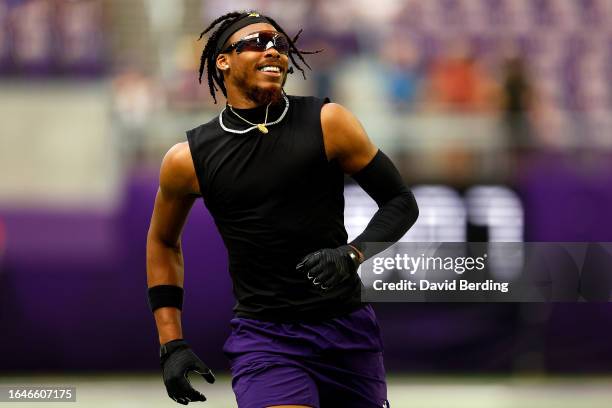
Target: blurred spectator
pixel 337 48
pixel 81 35
pixel 403 73
pixel 4 37
pixel 457 82
pixel 183 91
pixel 134 102
pixel 32 36
pixel 516 102
pixel 324 67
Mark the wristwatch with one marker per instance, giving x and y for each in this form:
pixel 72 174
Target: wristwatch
pixel 354 257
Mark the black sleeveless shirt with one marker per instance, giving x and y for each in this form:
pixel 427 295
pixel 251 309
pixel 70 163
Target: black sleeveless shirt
pixel 274 198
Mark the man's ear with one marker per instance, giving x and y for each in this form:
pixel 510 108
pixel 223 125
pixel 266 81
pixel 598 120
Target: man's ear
pixel 222 62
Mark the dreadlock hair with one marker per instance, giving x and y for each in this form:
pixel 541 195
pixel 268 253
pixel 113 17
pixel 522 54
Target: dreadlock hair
pixel 209 54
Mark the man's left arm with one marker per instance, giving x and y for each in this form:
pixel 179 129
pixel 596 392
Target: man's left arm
pixel 347 142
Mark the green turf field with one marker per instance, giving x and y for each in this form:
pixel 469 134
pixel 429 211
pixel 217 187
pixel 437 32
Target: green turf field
pixel 404 391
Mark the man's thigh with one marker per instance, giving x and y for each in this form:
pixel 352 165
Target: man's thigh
pixel 273 384
pixel 355 380
pixel 334 363
pixel 350 379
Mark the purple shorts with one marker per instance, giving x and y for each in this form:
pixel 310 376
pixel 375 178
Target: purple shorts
pixel 333 363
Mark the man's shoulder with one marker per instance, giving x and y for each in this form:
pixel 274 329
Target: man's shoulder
pixel 177 169
pixel 178 157
pixel 334 114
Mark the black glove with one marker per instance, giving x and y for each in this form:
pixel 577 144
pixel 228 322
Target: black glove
pixel 330 266
pixel 177 360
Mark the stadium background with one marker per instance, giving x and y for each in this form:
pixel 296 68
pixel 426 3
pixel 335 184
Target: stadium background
pixel 497 113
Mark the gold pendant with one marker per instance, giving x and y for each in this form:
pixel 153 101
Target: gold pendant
pixel 262 128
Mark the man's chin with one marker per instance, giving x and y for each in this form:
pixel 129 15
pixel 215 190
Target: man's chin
pixel 265 94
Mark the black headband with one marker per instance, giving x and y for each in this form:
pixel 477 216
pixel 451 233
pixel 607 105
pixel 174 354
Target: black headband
pixel 248 19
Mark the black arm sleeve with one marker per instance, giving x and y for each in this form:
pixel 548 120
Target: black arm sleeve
pixel 397 208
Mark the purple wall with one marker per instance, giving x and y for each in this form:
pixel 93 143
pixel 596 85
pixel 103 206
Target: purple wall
pixel 567 197
pixel 73 293
pixel 73 287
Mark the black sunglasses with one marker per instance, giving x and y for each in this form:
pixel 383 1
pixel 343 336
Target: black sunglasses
pixel 260 41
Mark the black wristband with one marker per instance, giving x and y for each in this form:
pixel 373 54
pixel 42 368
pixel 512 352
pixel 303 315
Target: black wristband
pixel 165 296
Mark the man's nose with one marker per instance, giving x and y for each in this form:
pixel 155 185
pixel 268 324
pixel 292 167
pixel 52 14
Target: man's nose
pixel 272 53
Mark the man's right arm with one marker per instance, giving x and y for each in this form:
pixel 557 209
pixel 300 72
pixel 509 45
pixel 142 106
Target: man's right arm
pixel 178 189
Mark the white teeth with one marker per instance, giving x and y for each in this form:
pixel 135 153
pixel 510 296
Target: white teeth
pixel 269 69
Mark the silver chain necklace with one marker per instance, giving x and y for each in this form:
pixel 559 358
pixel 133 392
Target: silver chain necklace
pixel 261 126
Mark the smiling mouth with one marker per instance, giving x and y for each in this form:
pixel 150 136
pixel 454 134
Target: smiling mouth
pixel 270 70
